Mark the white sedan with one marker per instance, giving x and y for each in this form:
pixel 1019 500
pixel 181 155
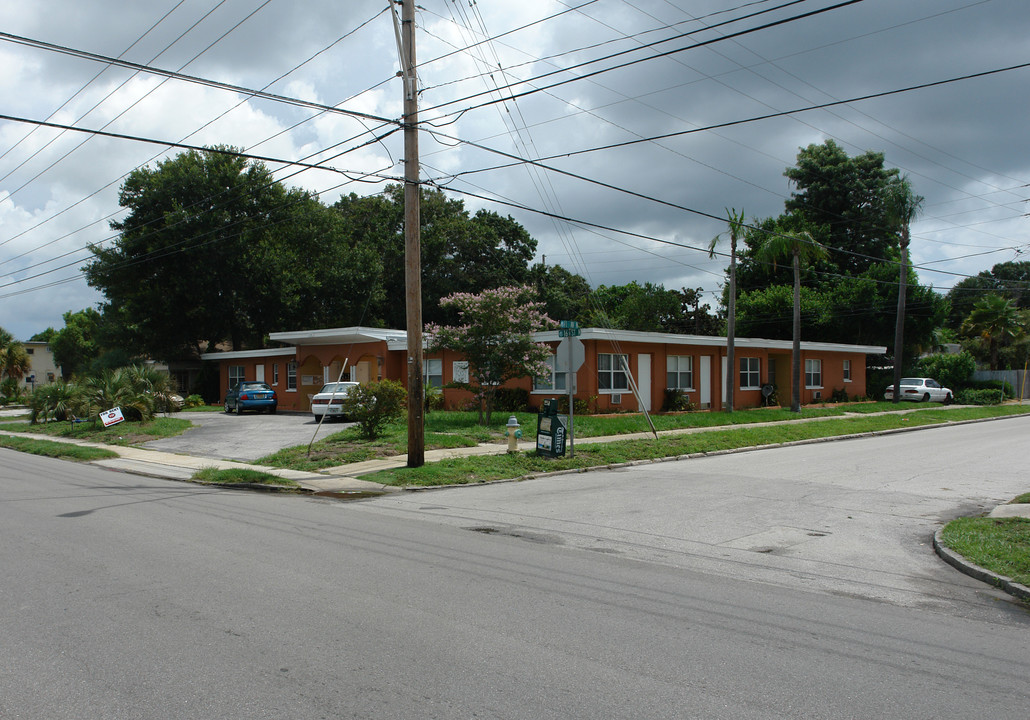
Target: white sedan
pixel 329 400
pixel 921 390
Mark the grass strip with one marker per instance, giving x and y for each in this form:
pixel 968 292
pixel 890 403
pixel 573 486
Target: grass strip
pixel 1001 545
pixel 500 467
pixel 236 476
pixel 1024 498
pixel 50 448
pixel 124 433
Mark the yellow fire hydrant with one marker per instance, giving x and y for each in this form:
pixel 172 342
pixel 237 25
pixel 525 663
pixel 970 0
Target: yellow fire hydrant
pixel 513 433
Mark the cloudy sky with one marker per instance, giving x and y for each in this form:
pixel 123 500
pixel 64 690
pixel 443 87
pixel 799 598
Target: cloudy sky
pixel 561 81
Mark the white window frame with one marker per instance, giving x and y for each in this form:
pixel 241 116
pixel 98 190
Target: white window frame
pixel 237 374
pixel 846 371
pixel 813 374
pixel 750 368
pixel 275 373
pixel 554 381
pixel 291 376
pixel 432 372
pixel 677 366
pixel 612 371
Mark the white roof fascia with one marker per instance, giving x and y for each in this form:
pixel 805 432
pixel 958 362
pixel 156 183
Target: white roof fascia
pixel 247 354
pixel 706 340
pixel 338 336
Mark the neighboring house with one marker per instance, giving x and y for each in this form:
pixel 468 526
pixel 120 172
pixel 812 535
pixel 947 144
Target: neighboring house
pixel 694 364
pixel 42 368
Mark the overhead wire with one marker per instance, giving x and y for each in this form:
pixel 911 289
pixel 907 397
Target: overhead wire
pixel 309 59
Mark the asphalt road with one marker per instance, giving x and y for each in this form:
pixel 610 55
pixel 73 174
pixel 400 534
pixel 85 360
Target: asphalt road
pixel 128 597
pixel 244 437
pixel 853 517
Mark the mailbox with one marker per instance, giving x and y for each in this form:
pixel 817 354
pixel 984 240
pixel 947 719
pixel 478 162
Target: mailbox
pixel 551 430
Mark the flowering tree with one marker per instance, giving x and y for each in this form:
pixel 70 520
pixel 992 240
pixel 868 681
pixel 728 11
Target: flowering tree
pixel 496 338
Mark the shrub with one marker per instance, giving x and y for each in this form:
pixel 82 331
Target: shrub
pixel 511 399
pixel 580 406
pixel 193 401
pixel 997 386
pixel 952 371
pixel 675 400
pixel 433 398
pixel 974 396
pixel 375 405
pixel 10 390
pixel 839 395
pixel 53 401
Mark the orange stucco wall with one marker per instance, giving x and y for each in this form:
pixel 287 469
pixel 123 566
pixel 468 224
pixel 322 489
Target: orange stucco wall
pixel 375 361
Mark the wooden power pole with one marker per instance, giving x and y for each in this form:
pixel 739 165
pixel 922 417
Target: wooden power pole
pixel 412 241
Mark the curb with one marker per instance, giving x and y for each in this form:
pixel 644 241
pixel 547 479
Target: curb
pixel 713 453
pixel 975 571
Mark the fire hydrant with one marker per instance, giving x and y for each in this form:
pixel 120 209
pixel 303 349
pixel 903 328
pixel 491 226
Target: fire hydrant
pixel 513 433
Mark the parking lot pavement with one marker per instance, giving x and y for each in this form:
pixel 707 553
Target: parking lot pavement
pixel 244 437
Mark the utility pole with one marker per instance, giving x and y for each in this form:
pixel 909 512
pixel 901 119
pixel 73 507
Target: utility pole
pixel 412 241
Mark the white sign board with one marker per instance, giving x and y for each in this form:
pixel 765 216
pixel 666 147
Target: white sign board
pixel 112 417
pixel 460 371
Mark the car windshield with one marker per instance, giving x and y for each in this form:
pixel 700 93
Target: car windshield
pixel 335 388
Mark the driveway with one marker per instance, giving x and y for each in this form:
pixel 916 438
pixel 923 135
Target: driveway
pixel 243 437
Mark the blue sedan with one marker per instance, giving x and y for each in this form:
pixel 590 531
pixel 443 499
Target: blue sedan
pixel 251 395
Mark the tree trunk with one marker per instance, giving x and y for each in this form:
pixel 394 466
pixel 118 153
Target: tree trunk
pixel 795 390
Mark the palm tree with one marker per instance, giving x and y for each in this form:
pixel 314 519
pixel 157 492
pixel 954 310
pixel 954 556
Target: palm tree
pixel 800 247
pixel 902 206
pixel 736 223
pixel 995 320
pixel 14 361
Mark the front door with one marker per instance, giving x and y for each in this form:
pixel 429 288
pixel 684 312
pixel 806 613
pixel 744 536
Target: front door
pixel 705 376
pixel 644 381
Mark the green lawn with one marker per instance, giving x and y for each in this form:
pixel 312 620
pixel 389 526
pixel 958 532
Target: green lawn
pixel 50 448
pixel 1001 545
pixel 125 433
pixel 497 467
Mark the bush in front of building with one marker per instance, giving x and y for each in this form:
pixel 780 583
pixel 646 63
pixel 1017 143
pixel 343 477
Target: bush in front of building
pixel 977 396
pixel 950 370
pixel 675 400
pixel 511 400
pixel 375 405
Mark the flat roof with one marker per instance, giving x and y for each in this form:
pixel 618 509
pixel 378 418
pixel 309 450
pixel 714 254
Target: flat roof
pixel 397 340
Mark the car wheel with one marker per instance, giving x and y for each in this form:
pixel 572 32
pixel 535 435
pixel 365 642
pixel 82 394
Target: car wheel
pixel 227 408
pixel 271 410
pixel 948 399
pixel 239 409
pixel 926 397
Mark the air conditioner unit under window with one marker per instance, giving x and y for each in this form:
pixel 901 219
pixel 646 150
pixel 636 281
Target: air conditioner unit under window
pixel 818 395
pixel 616 399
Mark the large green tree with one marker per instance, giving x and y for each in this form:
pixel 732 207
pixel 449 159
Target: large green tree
pixel 77 345
pixel 213 249
pixel 1008 279
pixel 460 252
pixel 849 206
pixel 646 308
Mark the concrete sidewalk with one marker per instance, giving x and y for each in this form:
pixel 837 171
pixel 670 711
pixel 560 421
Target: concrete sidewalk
pixel 346 478
pixel 174 466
